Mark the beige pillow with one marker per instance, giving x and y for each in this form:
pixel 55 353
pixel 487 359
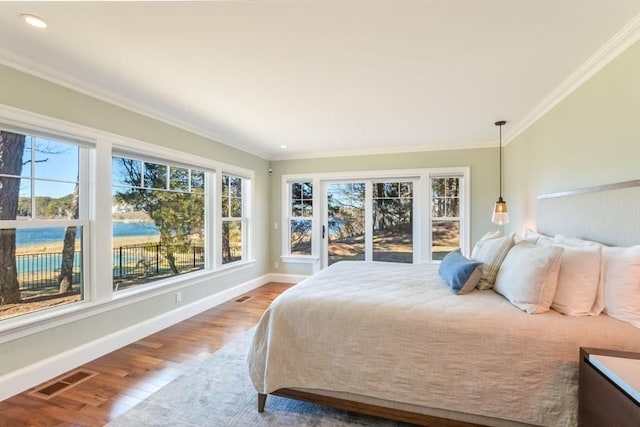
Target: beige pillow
pixel 578 281
pixel 529 275
pixel 622 283
pixel 491 253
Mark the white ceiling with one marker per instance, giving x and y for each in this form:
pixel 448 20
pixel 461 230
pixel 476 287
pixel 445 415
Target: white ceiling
pixel 321 76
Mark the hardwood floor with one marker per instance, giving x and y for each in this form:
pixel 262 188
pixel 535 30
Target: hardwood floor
pixel 131 374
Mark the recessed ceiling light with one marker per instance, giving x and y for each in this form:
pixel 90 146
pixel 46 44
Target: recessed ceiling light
pixel 283 146
pixel 34 21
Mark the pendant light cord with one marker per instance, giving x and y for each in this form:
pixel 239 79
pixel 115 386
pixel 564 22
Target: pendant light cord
pixel 500 162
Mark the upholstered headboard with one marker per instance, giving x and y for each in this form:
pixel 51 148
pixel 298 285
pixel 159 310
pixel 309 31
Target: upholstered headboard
pixel 608 213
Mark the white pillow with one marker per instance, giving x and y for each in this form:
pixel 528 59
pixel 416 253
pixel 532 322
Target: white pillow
pixel 622 283
pixel 574 241
pixel 491 253
pixel 529 235
pixel 578 281
pixel 529 275
pixel 492 235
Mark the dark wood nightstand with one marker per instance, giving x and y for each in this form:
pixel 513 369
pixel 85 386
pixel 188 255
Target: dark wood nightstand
pixel 604 377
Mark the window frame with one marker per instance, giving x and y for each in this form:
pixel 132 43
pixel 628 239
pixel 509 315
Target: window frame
pixel 84 201
pixel 169 164
pixel 421 179
pixel 97 226
pixel 245 219
pixel 288 217
pixel 463 213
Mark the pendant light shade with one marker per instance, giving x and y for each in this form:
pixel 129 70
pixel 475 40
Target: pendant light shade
pixel 500 214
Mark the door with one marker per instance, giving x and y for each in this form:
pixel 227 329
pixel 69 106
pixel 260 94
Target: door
pixel 344 226
pixel 368 220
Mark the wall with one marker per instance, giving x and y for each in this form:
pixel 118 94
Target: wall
pixel 591 137
pixel 484 185
pixel 29 93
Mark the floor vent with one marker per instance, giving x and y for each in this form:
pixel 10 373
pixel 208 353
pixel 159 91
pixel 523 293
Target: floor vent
pixel 55 387
pixel 243 299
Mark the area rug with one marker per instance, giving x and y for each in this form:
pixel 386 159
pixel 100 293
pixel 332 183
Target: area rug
pixel 219 393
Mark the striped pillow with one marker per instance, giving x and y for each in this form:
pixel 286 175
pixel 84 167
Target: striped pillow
pixel 491 253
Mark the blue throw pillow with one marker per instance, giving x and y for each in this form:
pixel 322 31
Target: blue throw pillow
pixel 461 274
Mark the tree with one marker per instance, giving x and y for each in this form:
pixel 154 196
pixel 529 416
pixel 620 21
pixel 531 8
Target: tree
pixel 69 248
pixel 11 151
pixel 178 213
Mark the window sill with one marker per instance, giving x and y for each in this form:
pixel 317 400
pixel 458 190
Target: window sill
pixel 32 323
pixel 300 259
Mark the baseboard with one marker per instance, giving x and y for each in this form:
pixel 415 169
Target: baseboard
pixel 29 376
pixel 286 278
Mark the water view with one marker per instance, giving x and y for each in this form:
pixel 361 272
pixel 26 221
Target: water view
pixel 43 236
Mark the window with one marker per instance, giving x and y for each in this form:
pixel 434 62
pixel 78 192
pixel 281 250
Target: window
pixel 43 222
pixel 393 221
pixel 406 215
pixel 301 218
pixel 234 218
pixel 158 221
pixel 445 216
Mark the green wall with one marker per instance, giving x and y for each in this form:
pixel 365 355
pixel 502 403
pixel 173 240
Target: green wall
pixel 29 93
pixel 592 137
pixel 484 185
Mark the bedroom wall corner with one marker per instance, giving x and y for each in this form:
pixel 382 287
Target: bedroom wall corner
pixel 591 137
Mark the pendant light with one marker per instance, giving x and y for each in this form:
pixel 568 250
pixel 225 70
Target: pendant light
pixel 500 214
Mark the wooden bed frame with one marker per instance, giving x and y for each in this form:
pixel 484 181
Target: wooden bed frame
pixel 364 408
pixel 555 215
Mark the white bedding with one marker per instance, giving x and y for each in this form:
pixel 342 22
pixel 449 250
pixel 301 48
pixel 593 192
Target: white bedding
pixel 395 332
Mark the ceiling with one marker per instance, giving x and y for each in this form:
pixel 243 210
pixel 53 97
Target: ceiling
pixel 321 77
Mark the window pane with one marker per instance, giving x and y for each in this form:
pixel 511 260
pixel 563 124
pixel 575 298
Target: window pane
pixel 155 176
pixel 197 181
pixel 296 191
pixel 307 190
pixel 301 237
pixel 231 241
pixel 235 185
pixel 179 179
pixel 126 172
pixel 41 273
pixel 15 198
pixel 56 160
pixel 307 208
pixel 345 203
pixel 56 200
pixel 393 223
pixel 225 207
pixel 445 238
pixel 236 207
pixel 157 233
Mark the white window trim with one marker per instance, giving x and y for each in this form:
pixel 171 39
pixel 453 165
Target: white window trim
pixel 245 220
pixel 286 225
pixel 421 200
pixel 97 224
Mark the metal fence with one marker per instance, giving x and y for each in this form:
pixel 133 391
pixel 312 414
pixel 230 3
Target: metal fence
pixel 152 260
pixel 41 271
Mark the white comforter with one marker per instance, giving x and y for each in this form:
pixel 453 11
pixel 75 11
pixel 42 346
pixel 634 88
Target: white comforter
pixel 396 332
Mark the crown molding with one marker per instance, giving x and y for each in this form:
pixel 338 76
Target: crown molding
pixel 382 151
pixel 28 66
pixel 622 40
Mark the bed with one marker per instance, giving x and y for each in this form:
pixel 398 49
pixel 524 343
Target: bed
pixel 392 340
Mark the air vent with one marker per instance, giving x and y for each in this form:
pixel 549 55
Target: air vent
pixel 54 388
pixel 243 299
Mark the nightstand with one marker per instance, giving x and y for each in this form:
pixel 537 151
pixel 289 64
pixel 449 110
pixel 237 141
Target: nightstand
pixel 609 391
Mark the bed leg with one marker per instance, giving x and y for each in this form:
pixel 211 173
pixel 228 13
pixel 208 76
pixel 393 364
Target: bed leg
pixel 262 400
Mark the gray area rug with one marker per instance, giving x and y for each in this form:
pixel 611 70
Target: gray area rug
pixel 219 393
